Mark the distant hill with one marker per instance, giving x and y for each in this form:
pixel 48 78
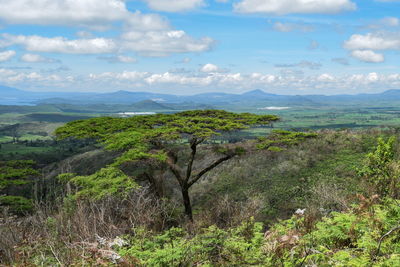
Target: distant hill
pixel 4 90
pixel 155 101
pixel 149 105
pixel 13 96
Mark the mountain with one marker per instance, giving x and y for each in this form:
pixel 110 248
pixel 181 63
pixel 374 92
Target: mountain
pixel 149 105
pixel 13 96
pixel 9 96
pixel 258 93
pixel 9 91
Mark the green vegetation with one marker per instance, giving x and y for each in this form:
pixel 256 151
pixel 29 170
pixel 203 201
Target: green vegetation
pixel 359 116
pixel 252 195
pixel 13 176
pixel 16 204
pixel 279 139
pixel 156 138
pixel 15 172
pixel 362 236
pixel 382 170
pixel 105 182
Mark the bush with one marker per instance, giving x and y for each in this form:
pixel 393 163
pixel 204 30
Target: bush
pixel 16 204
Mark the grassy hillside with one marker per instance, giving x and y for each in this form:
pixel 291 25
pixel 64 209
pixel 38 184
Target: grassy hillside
pixel 319 175
pixel 326 201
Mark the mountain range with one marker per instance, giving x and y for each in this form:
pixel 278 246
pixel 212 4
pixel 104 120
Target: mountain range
pixel 13 96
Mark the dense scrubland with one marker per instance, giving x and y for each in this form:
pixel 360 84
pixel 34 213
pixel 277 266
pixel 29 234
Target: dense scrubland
pixel 114 195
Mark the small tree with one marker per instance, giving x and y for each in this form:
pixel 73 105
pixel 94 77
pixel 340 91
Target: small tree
pixel 155 142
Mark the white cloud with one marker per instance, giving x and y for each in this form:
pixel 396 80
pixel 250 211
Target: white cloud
pixel 289 27
pixel 163 43
pixel 326 77
pixel 119 59
pixel 146 22
pixel 62 12
pixel 217 79
pixel 390 21
pixel 6 55
pixel 150 43
pixel 368 56
pixel 363 47
pixel 97 14
pixel 125 59
pixel 84 34
pixel 147 34
pixel 131 76
pixel 13 77
pixel 185 60
pixel 239 82
pixel 61 45
pixel 152 35
pixel 35 58
pixel 190 82
pixel 305 64
pixel 373 41
pixel 281 7
pixel 174 5
pixel 209 68
pixel 384 23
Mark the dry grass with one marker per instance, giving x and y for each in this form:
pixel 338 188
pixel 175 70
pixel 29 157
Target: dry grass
pixel 56 232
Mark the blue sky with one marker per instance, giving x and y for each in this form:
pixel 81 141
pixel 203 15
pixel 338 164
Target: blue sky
pixel 194 46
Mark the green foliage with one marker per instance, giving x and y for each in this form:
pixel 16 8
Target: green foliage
pixel 151 140
pixel 352 238
pixel 342 239
pixel 294 178
pixel 278 140
pixel 13 174
pixel 16 204
pixel 381 168
pixel 141 136
pixel 107 181
pixel 16 172
pixel 211 247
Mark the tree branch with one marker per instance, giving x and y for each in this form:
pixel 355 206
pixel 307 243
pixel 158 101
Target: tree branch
pixel 176 170
pixel 154 183
pixel 209 168
pixel 383 237
pixel 193 147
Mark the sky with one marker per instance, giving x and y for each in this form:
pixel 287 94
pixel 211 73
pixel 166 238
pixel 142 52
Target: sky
pixel 194 46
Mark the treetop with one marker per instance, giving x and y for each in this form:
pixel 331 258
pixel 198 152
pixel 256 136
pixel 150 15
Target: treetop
pixel 197 123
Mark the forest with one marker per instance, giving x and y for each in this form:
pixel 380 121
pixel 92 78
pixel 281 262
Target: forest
pixel 193 188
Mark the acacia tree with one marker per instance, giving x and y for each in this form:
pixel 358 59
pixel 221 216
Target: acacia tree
pixel 154 141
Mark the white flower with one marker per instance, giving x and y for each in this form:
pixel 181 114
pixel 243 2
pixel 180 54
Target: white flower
pixel 119 242
pixel 300 212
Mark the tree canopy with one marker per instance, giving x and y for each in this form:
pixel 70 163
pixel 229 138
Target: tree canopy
pixel 278 140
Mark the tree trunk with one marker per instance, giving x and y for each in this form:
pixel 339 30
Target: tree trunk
pixel 186 202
